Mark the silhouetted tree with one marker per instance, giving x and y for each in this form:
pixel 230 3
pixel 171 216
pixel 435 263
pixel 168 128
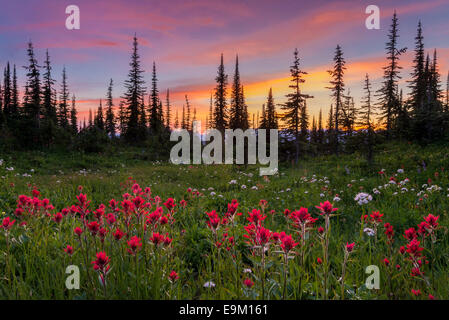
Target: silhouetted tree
pixel 110 123
pixel 133 97
pixel 337 87
pixel 221 106
pixel 388 93
pixel 295 102
pixel 49 103
pixel 63 110
pixel 73 117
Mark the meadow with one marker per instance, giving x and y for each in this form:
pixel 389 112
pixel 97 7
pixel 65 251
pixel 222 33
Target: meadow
pixel 144 229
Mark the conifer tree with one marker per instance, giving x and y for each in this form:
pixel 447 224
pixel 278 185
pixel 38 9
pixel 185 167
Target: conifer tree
pixel 135 92
pixel 49 103
pixel 188 123
pixel 14 96
pixel 388 94
pixel 221 107
pixel 110 123
pixel 183 121
pixel 211 112
pixel 177 119
pixel 293 108
pixel 122 118
pixel 337 87
pixel 73 117
pixel 7 92
pixel 154 107
pixel 167 110
pixel 32 97
pixel 99 123
pixel 63 111
pixel 367 114
pixel 236 107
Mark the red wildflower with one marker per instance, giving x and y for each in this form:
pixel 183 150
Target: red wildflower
pixel 118 234
pixel 93 227
pixel 414 249
pixel 78 231
pixel 326 208
pixel 57 217
pixel 416 292
pixel 170 204
pixel 173 276
pixel 134 245
pixel 350 246
pixel 287 243
pixel 157 238
pixel 248 283
pixel 101 263
pixel 410 234
pixel 376 217
pixel 7 223
pixel 69 250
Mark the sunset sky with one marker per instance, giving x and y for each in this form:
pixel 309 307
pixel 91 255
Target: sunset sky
pixel 185 39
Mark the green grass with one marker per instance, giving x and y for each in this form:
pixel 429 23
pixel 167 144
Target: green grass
pixel 33 265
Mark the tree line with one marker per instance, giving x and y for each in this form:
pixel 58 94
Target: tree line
pixel 46 116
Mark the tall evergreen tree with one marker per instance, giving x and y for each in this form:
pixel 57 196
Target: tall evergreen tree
pixel 63 111
pixel 211 112
pixel 122 118
pixel 236 107
pixel 32 97
pixel 366 116
pixel 110 123
pixel 167 110
pixel 73 117
pixel 183 120
pixel 388 94
pixel 221 106
pixel 49 103
pixel 337 87
pixel 418 82
pixel 133 97
pixel 320 133
pixel 293 108
pixel 14 96
pixel 188 122
pixel 7 92
pixel 99 118
pixel 154 107
pixel 177 119
pixel 270 111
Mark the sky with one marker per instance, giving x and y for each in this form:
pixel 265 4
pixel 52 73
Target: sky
pixel 185 39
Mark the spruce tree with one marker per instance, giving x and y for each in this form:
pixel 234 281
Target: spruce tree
pixel 188 123
pixel 388 94
pixel 63 111
pixel 293 108
pixel 49 103
pixel 73 117
pixel 221 106
pixel 154 106
pixel 99 123
pixel 32 97
pixel 14 96
pixel 337 87
pixel 167 110
pixel 7 92
pixel 135 91
pixel 236 107
pixel 367 114
pixel 110 123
